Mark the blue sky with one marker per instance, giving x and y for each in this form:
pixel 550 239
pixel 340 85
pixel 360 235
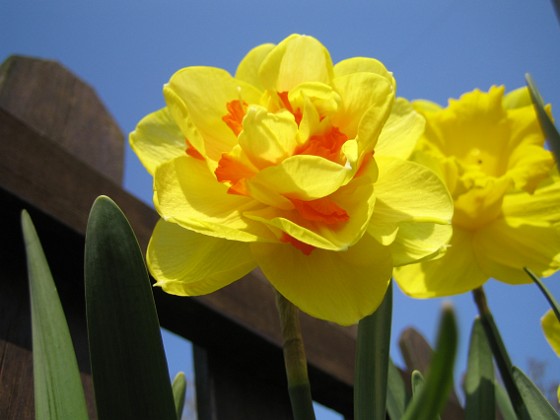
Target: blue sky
pixel 437 49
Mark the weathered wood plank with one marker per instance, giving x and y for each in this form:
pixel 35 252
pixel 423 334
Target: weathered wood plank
pixel 55 103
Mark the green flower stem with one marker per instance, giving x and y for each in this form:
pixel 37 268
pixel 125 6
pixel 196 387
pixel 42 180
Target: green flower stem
pixel 372 361
pixel 295 361
pixel 500 353
pixel 553 304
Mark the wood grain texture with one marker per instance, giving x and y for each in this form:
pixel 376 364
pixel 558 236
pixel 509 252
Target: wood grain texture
pixel 55 103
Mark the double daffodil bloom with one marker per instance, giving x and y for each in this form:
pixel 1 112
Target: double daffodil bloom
pixel 295 166
pixel 489 150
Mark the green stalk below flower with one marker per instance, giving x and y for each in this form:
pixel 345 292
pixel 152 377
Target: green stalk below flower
pixel 295 361
pixel 372 361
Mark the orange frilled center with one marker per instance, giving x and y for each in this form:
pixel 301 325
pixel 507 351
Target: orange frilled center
pixel 234 173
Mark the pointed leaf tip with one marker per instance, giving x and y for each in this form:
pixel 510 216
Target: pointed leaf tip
pixel 128 361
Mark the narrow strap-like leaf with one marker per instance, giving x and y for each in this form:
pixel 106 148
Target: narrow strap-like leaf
pixel 128 361
pixel 372 361
pixel 545 291
pixel 179 393
pixel 396 392
pixel 537 405
pixel 56 377
pixel 501 356
pixel 439 380
pixel 503 402
pixel 479 382
pixel 547 126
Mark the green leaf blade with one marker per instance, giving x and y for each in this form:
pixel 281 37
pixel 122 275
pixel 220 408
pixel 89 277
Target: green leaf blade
pixel 547 126
pixel 537 405
pixel 479 383
pixel 129 368
pixel 428 403
pixel 179 387
pixel 503 402
pixel 58 388
pixel 396 392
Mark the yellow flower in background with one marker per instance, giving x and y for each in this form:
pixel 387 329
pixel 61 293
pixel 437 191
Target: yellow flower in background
pixel 551 329
pixel 489 150
pixel 296 166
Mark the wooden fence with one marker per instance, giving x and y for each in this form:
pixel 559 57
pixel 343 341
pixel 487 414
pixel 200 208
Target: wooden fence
pixel 59 150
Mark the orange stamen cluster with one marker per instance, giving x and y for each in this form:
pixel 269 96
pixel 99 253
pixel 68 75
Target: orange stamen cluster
pixel 231 170
pixel 327 145
pixel 234 118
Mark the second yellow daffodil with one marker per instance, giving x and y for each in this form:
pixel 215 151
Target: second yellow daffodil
pixel 294 165
pixel 489 150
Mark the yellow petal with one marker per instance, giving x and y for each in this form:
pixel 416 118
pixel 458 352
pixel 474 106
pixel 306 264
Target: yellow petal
pixel 425 106
pixel 407 192
pixel 401 131
pixel 481 204
pixel 541 207
pixel 340 287
pixel 157 139
pixel 297 59
pixel 187 193
pixel 529 165
pixel 455 272
pixel 360 92
pixel 503 249
pixel 186 263
pixel 357 198
pixel 551 328
pixel 305 177
pixel 268 138
pixel 416 242
pixel 197 98
pixel 364 64
pixel 518 98
pixel 248 69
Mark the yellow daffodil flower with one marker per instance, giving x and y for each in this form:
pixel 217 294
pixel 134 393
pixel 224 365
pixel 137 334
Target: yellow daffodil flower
pixel 551 329
pixel 489 150
pixel 293 165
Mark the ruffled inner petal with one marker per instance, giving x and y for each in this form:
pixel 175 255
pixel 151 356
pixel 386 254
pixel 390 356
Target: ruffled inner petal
pixel 349 208
pixel 361 92
pixel 305 177
pixel 187 193
pixel 297 59
pixel 198 99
